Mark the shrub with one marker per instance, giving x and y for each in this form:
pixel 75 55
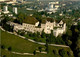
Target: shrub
pixel 2 47
pixel 9 48
pixel 78 54
pixel 68 53
pixel 4 55
pixel 55 51
pixel 62 52
pixel 34 52
pixel 40 48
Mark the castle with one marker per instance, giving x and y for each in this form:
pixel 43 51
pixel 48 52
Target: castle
pixel 57 28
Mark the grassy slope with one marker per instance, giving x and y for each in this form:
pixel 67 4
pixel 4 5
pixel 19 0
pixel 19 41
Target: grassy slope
pixel 21 45
pixel 8 54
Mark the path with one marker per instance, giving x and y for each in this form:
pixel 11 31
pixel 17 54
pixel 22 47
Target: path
pixel 35 41
pixel 18 53
pixel 21 53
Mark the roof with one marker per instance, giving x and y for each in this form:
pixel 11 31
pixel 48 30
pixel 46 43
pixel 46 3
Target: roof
pixel 30 20
pixel 50 19
pixel 58 21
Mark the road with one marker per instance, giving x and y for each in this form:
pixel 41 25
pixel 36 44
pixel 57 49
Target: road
pixel 35 41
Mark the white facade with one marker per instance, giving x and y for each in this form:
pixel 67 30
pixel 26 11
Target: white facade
pixel 3 0
pixel 10 15
pixel 15 10
pixel 59 31
pixel 0 11
pixel 21 1
pixel 48 27
pixel 5 10
pixel 50 6
pixel 14 0
pixel 36 24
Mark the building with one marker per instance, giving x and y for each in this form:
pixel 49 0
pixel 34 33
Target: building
pixel 14 0
pixel 0 12
pixel 20 1
pixel 48 27
pixel 15 10
pixel 10 15
pixel 5 10
pixel 57 28
pixel 3 0
pixel 6 0
pixel 29 9
pixel 52 7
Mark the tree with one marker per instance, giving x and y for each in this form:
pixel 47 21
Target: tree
pixel 78 44
pixel 4 55
pixel 40 49
pixel 69 33
pixel 2 46
pixel 47 40
pixel 62 52
pixel 9 48
pixel 70 53
pixel 55 51
pixel 34 35
pixel 6 26
pixel 20 18
pixel 78 54
pixel 59 40
pixel 6 19
pixel 79 25
pixel 38 34
pixel 38 16
pixel 22 33
pixel 51 37
pixel 75 40
pixel 78 47
pixel 69 42
pixel 76 30
pixel 34 52
pixel 43 34
pixel 47 48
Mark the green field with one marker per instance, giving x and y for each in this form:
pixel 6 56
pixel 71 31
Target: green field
pixel 20 45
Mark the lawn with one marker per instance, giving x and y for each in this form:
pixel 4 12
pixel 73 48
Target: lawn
pixel 20 45
pixel 17 44
pixel 8 54
pixel 36 39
